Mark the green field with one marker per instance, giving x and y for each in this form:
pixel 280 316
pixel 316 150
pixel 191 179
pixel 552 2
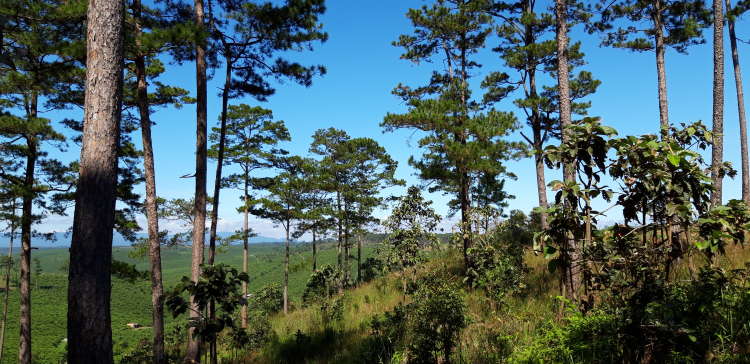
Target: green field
pixel 131 302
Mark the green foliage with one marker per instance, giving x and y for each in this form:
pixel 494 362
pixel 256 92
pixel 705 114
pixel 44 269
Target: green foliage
pixel 412 224
pixel 372 267
pixel 462 135
pixel 128 272
pixel 269 299
pixel 387 337
pixel 438 318
pixel 322 285
pixel 217 286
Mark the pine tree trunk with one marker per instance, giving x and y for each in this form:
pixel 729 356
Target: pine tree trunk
pixel 315 252
pixel 199 226
pixel 661 71
pixel 359 255
pixel 286 270
pixel 220 162
pixel 7 280
pixel 89 281
pixel 572 274
pixel 154 247
pixel 340 283
pixel 717 151
pixel 244 255
pixel 347 262
pixel 741 109
pixel 24 352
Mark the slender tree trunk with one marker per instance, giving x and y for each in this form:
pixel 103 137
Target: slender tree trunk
pixel 340 283
pixel 89 281
pixel 220 162
pixel 661 70
pixel 199 226
pixel 572 275
pixel 24 352
pixel 717 151
pixel 154 247
pixel 359 254
pixel 7 280
pixel 286 269
pixel 244 254
pixel 741 109
pixel 347 262
pixel 315 252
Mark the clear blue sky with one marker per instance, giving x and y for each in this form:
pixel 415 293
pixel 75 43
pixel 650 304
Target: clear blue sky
pixel 355 95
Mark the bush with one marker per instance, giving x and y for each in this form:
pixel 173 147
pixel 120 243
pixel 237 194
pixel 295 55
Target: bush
pixel 270 298
pixel 372 267
pixel 321 285
pixel 387 337
pixel 439 317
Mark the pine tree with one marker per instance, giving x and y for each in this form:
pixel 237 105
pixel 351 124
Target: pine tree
pixel 331 145
pixel 141 48
pixel 732 14
pixel 257 35
pixel 673 23
pixel 282 204
pixel 463 137
pixel 42 51
pixel 250 136
pixel 372 171
pixel 526 49
pixel 717 149
pixel 89 287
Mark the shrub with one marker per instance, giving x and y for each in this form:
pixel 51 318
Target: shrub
pixel 439 317
pixel 270 298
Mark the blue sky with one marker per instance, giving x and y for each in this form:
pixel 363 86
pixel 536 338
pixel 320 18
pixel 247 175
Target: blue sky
pixel 355 95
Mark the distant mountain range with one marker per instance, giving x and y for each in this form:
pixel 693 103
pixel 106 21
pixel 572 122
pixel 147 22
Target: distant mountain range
pixel 63 241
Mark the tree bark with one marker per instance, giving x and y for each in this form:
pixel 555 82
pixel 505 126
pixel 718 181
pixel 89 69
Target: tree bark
pixel 741 109
pixel 572 274
pixel 315 252
pixel 244 255
pixel 89 281
pixel 24 352
pixel 340 283
pixel 154 247
pixel 199 226
pixel 220 162
pixel 661 70
pixel 7 280
pixel 717 151
pixel 286 269
pixel 359 254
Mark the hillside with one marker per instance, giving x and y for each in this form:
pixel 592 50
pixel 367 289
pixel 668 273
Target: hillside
pixel 131 302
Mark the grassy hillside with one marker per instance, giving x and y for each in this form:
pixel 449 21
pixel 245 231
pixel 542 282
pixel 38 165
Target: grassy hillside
pixel 131 302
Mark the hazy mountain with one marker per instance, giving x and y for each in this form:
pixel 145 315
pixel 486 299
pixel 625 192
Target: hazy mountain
pixel 62 240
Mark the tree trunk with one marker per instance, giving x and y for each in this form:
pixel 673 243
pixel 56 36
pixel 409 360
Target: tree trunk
pixel 661 71
pixel 7 280
pixel 315 251
pixel 571 273
pixel 340 283
pixel 24 352
pixel 89 281
pixel 286 269
pixel 741 109
pixel 154 247
pixel 347 262
pixel 359 254
pixel 717 151
pixel 199 226
pixel 244 255
pixel 220 162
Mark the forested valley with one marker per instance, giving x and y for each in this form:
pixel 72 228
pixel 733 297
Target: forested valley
pixel 629 249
